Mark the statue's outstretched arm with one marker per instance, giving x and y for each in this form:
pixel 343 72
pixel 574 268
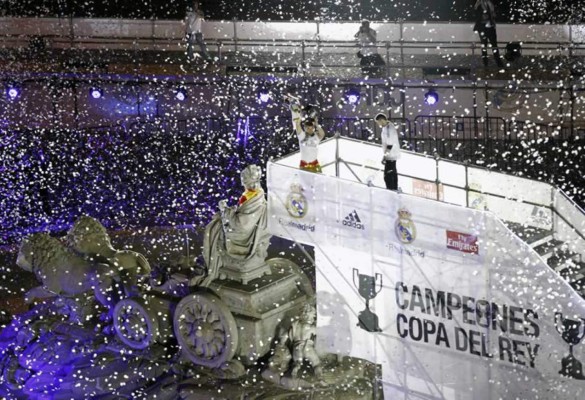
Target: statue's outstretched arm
pixel 38 292
pixel 229 216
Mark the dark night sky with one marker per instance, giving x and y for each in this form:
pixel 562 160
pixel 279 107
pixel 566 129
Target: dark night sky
pixel 553 11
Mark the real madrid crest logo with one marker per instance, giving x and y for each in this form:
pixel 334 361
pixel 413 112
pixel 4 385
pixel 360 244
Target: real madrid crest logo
pixel 404 227
pixel 296 203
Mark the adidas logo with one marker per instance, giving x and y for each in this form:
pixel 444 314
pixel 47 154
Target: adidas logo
pixel 353 221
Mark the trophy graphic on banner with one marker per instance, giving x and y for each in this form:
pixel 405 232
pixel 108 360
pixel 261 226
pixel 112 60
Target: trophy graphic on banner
pixel 572 332
pixel 366 286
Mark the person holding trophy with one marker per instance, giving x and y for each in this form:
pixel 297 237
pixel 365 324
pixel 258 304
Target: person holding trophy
pixel 309 133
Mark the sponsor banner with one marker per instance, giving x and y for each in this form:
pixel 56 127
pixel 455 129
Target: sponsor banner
pixel 353 221
pixel 452 329
pixel 293 204
pixel 541 217
pixel 427 189
pixel 319 210
pixel 463 242
pixel 405 234
pixel 445 298
pixel 418 228
pixel 477 199
pixel 347 215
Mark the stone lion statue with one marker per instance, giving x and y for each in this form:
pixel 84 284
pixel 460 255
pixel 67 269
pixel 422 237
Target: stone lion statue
pixel 88 238
pixel 62 272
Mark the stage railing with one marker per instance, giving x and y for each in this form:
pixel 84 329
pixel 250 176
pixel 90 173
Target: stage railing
pixel 461 139
pixel 512 198
pixel 396 39
pixel 130 167
pixel 484 141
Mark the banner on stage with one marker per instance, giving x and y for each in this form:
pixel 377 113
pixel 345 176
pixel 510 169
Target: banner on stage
pixel 450 302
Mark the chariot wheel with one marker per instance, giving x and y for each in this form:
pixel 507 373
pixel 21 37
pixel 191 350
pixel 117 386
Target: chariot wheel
pixel 135 323
pixel 205 329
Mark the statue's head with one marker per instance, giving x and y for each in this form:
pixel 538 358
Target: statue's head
pixel 25 254
pixel 88 236
pixel 251 177
pixel 37 249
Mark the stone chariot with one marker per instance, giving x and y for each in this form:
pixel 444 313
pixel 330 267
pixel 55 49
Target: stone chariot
pixel 232 313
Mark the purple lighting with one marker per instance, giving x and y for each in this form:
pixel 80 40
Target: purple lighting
pixel 431 97
pixel 12 93
pixel 181 94
pixel 96 93
pixel 243 132
pixel 264 96
pixel 352 96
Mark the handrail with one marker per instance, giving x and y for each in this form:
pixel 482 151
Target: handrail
pixel 227 126
pixel 566 196
pixel 69 23
pixel 469 190
pixel 287 119
pixel 575 205
pixel 381 44
pixel 578 232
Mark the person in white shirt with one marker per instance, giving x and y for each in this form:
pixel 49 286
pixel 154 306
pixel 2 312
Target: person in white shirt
pixel 390 150
pixel 370 61
pixel 193 22
pixel 309 139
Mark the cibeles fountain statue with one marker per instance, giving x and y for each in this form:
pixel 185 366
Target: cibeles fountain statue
pixel 236 240
pixel 100 327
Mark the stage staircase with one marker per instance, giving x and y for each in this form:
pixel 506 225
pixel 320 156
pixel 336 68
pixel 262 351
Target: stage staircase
pixel 556 253
pixel 539 213
pixel 455 231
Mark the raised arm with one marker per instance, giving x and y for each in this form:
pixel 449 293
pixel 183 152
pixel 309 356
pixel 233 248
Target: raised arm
pixel 295 111
pixel 372 35
pixel 491 11
pixel 299 129
pixel 320 131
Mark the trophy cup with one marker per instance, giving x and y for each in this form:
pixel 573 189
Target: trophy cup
pixel 366 285
pixel 307 111
pixel 572 332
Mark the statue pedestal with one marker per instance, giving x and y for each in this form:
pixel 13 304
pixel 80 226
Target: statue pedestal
pixel 244 271
pixel 259 305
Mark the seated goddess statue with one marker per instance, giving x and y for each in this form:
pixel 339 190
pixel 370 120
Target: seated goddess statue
pixel 237 237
